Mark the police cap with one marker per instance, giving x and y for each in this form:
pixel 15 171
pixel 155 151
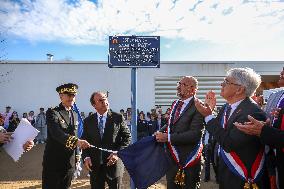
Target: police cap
pixel 69 88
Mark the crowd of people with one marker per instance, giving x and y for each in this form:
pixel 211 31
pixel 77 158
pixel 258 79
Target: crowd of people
pixel 243 140
pixel 12 120
pixel 146 124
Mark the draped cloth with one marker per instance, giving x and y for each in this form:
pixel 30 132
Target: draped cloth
pixel 146 161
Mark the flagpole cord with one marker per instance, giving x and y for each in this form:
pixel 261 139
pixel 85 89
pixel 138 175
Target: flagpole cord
pixel 102 149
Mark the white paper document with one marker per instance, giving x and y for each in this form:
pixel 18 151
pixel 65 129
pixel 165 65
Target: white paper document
pixel 23 133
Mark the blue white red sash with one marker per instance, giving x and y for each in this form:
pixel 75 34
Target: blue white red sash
pixel 235 164
pixel 193 157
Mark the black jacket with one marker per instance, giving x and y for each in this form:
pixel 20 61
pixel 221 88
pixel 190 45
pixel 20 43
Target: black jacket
pixel 233 140
pixel 116 136
pixel 58 153
pixel 273 135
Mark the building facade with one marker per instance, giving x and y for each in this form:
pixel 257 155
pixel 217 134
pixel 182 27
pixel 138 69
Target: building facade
pixel 29 85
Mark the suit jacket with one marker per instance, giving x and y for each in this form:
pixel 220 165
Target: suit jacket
pixel 233 140
pixel 58 154
pixel 187 131
pixel 185 134
pixel 272 102
pixel 116 137
pixel 273 135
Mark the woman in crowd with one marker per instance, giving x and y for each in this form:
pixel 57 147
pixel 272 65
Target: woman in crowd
pixel 142 127
pixel 31 117
pixel 13 122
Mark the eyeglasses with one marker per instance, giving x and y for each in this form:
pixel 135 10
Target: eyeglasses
pixel 226 82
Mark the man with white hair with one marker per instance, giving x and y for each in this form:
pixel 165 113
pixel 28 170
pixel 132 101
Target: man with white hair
pixel 242 155
pixel 273 136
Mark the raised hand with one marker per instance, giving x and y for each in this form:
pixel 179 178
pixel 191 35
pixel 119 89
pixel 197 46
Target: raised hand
pixel 210 99
pixel 204 109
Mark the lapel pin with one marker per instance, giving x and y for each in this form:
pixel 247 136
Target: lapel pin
pixel 239 111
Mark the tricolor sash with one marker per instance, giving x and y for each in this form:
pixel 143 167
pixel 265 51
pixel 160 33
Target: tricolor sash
pixel 235 164
pixel 193 157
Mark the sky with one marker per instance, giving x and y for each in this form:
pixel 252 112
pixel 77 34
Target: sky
pixel 190 30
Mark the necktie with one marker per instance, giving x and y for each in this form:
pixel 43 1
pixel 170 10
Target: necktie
pixel 101 126
pixel 227 115
pixel 178 109
pixel 71 117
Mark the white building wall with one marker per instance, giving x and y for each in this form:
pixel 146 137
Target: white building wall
pixel 31 85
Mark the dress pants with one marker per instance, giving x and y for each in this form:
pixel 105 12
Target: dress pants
pixel 57 179
pixel 98 179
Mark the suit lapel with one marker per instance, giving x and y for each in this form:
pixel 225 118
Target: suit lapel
pixel 238 111
pixel 108 125
pixel 64 114
pixel 185 109
pixel 94 126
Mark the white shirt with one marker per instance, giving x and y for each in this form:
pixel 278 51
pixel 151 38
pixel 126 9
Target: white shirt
pixel 185 103
pixel 104 123
pixel 104 119
pixel 69 113
pixel 233 106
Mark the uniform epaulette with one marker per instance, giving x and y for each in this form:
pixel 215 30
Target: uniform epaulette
pixel 71 142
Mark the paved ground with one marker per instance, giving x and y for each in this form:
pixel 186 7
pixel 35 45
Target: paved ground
pixel 26 174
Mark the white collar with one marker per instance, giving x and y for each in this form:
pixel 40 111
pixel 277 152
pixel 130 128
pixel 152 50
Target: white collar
pixel 67 108
pixel 186 101
pixel 236 104
pixel 104 115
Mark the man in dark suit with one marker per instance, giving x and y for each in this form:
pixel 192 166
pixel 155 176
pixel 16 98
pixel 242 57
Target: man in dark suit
pixel 241 156
pixel 183 136
pixel 59 159
pixel 273 136
pixel 107 130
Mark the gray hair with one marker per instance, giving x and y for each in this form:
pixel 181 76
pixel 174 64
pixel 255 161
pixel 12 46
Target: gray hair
pixel 247 78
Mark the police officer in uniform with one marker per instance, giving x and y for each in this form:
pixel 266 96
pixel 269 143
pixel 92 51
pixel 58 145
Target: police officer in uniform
pixel 58 159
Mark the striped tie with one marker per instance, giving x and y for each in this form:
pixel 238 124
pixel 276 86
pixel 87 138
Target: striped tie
pixel 227 115
pixel 101 126
pixel 178 109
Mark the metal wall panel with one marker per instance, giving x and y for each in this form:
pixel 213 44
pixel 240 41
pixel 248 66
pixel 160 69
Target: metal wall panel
pixel 165 88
